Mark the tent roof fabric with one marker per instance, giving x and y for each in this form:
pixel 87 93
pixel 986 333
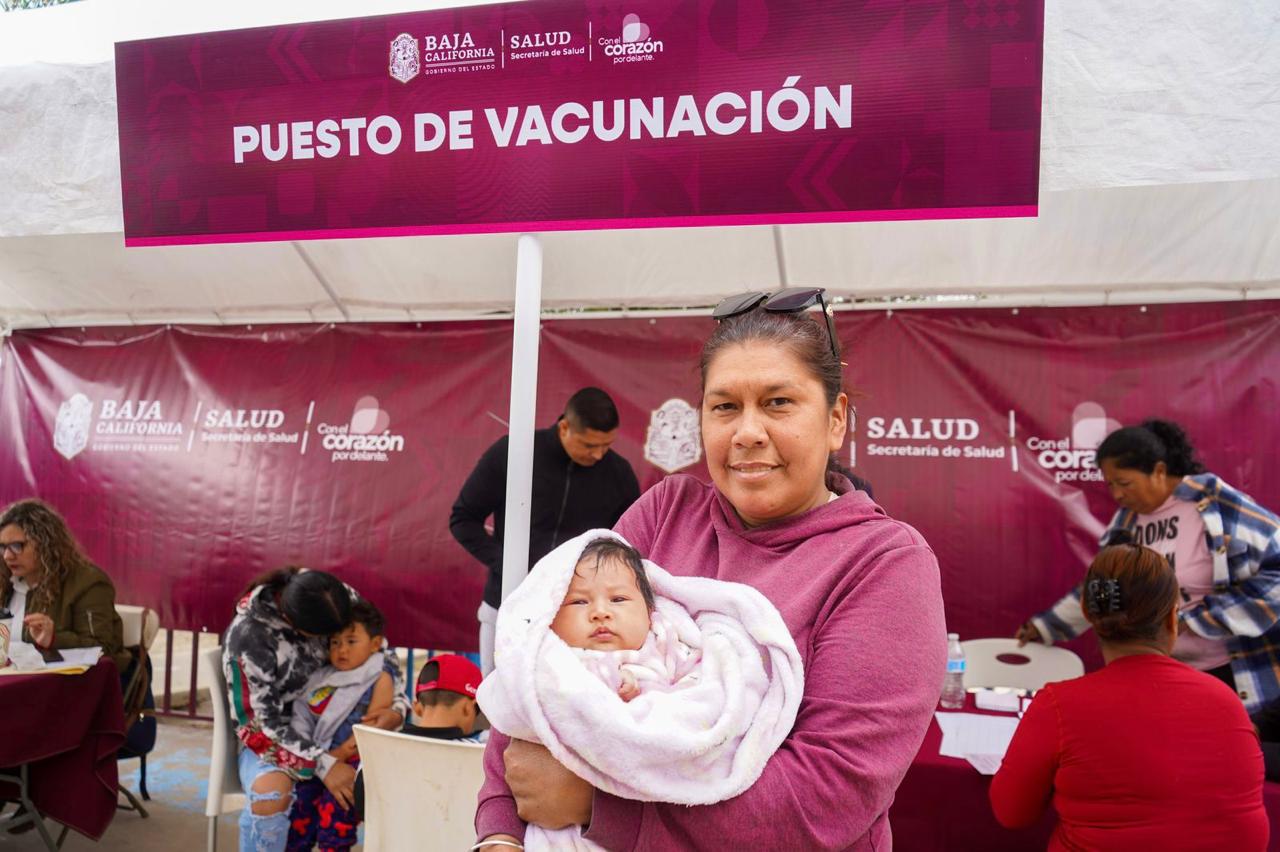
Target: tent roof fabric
pixel 1160 181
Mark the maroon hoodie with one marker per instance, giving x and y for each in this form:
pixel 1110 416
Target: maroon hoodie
pixel 861 595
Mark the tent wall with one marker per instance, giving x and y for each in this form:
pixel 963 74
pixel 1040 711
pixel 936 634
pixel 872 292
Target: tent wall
pixel 954 408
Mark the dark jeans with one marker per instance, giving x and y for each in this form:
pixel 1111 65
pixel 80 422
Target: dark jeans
pixel 1267 721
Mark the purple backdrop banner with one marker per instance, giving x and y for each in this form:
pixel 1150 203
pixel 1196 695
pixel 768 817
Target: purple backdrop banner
pixel 564 114
pixel 189 459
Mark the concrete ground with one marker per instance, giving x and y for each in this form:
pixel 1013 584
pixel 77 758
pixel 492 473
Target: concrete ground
pixel 177 778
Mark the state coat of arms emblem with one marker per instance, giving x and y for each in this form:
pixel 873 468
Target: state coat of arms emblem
pixel 673 441
pixel 71 428
pixel 405 62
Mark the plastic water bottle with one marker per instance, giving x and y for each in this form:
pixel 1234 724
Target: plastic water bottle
pixel 953 685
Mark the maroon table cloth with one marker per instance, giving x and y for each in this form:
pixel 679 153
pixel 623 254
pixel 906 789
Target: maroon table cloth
pixel 942 806
pixel 67 729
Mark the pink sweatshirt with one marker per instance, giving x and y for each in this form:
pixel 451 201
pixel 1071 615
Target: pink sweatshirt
pixel 861 595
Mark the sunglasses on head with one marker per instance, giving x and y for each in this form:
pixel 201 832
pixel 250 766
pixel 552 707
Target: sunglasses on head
pixel 789 301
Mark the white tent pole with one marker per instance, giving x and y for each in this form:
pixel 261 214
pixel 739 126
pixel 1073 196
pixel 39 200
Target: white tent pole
pixel 524 397
pixel 780 254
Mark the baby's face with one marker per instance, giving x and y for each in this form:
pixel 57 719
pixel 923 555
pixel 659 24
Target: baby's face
pixel 603 609
pixel 350 649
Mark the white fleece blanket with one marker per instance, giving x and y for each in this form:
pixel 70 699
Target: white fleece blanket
pixel 704 741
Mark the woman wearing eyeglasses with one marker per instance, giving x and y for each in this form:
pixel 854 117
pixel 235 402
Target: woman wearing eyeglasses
pixel 859 591
pixel 55 597
pixel 1146 753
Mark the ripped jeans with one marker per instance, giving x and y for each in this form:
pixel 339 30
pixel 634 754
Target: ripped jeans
pixel 261 833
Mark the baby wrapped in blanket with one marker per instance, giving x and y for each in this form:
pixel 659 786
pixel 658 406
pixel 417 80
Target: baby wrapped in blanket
pixel 648 686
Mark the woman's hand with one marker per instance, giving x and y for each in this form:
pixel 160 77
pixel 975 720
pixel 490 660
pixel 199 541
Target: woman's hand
pixel 341 782
pixel 546 793
pixel 387 720
pixel 41 627
pixel 1028 633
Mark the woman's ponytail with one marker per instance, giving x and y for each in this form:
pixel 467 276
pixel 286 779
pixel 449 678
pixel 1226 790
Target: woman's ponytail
pixel 1179 456
pixel 1143 447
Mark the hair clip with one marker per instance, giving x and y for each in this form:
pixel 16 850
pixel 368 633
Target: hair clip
pixel 1103 596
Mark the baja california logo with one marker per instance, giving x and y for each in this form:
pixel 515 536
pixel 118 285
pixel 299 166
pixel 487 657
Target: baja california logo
pixel 71 428
pixel 1071 459
pixel 673 442
pixel 405 62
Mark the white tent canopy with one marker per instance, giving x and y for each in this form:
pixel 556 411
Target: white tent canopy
pixel 1160 181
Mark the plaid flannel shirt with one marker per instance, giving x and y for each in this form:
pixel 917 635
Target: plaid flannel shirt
pixel 1244 607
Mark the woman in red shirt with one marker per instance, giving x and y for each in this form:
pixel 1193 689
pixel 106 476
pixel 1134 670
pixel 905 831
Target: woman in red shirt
pixel 1147 753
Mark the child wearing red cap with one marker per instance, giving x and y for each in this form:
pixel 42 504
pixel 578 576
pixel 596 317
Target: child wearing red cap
pixel 444 700
pixel 444 706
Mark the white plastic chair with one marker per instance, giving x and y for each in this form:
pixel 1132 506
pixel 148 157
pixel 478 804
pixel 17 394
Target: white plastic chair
pixel 419 793
pixel 225 793
pixel 1044 664
pixel 140 625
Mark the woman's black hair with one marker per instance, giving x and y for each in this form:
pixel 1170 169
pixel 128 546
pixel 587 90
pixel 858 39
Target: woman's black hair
pixel 314 602
pixel 1142 447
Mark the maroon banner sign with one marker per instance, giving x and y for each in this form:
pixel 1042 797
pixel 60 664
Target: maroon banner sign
pixel 187 460
pixel 562 114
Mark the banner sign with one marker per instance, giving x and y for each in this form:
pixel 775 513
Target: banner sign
pixel 188 460
pixel 561 114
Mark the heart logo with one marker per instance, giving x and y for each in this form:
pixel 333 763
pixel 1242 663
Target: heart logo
pixel 633 29
pixel 368 418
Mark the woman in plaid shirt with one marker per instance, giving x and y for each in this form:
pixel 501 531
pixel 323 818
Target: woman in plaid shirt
pixel 1223 546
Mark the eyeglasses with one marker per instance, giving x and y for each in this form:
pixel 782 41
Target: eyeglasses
pixel 14 547
pixel 789 301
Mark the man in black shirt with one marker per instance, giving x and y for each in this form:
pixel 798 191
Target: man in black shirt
pixel 578 484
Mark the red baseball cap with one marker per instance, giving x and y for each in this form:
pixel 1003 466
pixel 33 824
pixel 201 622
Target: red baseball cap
pixel 450 672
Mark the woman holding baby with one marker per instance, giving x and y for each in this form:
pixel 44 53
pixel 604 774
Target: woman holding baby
pixel 288 624
pixel 858 591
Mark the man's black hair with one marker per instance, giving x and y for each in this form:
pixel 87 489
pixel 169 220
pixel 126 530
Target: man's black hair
pixel 591 408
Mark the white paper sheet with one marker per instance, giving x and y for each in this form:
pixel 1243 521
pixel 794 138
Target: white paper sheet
pixel 986 764
pixel 77 657
pixel 966 734
pixel 26 657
